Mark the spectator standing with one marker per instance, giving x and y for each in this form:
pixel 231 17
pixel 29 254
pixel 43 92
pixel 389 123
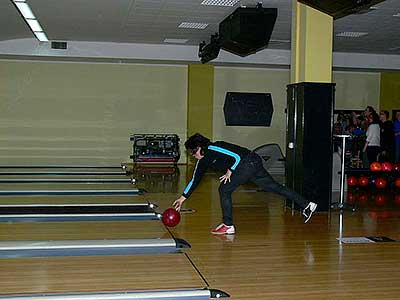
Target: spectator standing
pixel 387 137
pixel 397 136
pixel 373 138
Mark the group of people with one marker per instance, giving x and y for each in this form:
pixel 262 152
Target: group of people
pixel 382 141
pixel 379 136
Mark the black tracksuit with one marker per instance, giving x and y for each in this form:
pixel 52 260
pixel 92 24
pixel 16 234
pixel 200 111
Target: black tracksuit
pixel 245 166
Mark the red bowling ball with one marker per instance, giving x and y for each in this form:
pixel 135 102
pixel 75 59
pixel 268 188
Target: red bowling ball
pixel 387 166
pixel 380 200
pixel 397 199
pixel 363 198
pixel 396 167
pixel 397 183
pixel 351 181
pixel 363 181
pixel 351 198
pixel 380 183
pixel 171 217
pixel 375 167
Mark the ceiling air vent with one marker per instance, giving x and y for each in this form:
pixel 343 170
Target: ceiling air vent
pixel 59 45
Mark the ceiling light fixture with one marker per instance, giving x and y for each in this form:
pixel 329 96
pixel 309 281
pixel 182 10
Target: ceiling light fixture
pixel 279 41
pixel 34 25
pixel 176 41
pixel 193 25
pixel 220 2
pixel 31 20
pixel 351 34
pixel 41 36
pixel 25 10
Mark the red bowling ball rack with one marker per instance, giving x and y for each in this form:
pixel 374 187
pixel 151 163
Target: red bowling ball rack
pixel 376 187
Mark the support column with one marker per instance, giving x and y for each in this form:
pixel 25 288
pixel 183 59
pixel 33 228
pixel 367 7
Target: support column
pixel 312 31
pixel 390 92
pixel 310 105
pixel 200 99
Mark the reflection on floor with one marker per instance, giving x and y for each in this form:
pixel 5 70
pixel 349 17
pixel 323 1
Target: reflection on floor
pixel 157 178
pixel 273 255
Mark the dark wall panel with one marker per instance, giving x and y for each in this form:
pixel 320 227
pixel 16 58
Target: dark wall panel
pixel 248 109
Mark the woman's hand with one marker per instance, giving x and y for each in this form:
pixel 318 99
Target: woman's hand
pixel 227 177
pixel 178 203
pixel 365 147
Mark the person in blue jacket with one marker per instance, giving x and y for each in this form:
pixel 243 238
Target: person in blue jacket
pixel 240 166
pixel 396 125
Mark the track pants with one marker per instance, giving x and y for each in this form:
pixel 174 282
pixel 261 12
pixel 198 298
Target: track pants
pixel 252 169
pixel 372 153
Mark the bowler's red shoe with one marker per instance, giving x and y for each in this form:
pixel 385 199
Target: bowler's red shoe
pixel 224 229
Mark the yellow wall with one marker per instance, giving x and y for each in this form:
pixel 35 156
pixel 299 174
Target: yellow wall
pixel 356 90
pixel 200 100
pixel 311 55
pixel 230 79
pixel 82 113
pixel 390 91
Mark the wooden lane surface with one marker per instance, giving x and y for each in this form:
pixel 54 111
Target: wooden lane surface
pixel 58 167
pixel 61 177
pixel 44 231
pixel 5 200
pixel 274 255
pixel 96 274
pixel 81 199
pixel 92 273
pixel 66 186
pixel 60 170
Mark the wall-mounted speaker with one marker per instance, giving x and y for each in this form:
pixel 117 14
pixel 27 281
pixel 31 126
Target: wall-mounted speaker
pixel 248 109
pixel 247 30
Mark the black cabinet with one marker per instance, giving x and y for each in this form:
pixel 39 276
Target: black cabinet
pixel 309 141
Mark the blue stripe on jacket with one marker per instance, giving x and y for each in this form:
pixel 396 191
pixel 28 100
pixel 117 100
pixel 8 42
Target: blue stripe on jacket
pixel 191 181
pixel 227 152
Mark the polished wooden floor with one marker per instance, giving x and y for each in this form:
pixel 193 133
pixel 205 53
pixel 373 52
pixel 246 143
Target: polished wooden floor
pixel 272 256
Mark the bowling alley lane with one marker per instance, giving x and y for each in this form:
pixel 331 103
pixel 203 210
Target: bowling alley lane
pixel 57 172
pixel 41 182
pixel 65 187
pixel 45 231
pixel 68 274
pixel 77 199
pixel 97 273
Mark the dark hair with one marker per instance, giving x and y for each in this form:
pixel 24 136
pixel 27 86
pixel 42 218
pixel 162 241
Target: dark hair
pixel 375 118
pixel 386 114
pixel 370 109
pixel 196 141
